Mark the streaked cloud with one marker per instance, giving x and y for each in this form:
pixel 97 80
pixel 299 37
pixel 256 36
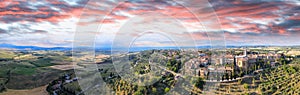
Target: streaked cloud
pixel 53 22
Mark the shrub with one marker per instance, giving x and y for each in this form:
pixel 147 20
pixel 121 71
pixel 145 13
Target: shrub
pixel 167 89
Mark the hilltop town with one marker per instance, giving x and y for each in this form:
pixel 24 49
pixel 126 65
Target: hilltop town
pixel 236 63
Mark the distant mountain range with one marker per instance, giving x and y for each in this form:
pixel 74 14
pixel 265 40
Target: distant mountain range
pixel 11 46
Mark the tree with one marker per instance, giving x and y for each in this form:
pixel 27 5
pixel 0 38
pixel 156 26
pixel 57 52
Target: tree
pixel 2 87
pixel 154 90
pixel 199 83
pixel 223 78
pixel 169 63
pixel 167 89
pixel 260 77
pixel 140 91
pixel 218 77
pixel 241 74
pixel 253 81
pixel 207 75
pixel 227 76
pixel 231 76
pixel 246 86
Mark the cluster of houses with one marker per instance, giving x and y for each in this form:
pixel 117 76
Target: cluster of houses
pixel 201 66
pixel 58 86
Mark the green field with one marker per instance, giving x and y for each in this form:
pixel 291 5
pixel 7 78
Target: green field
pixel 6 54
pixel 27 74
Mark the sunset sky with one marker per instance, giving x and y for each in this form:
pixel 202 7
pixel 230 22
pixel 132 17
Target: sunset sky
pixel 52 23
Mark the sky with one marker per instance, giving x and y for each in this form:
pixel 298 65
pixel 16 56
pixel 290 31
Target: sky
pixel 54 23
